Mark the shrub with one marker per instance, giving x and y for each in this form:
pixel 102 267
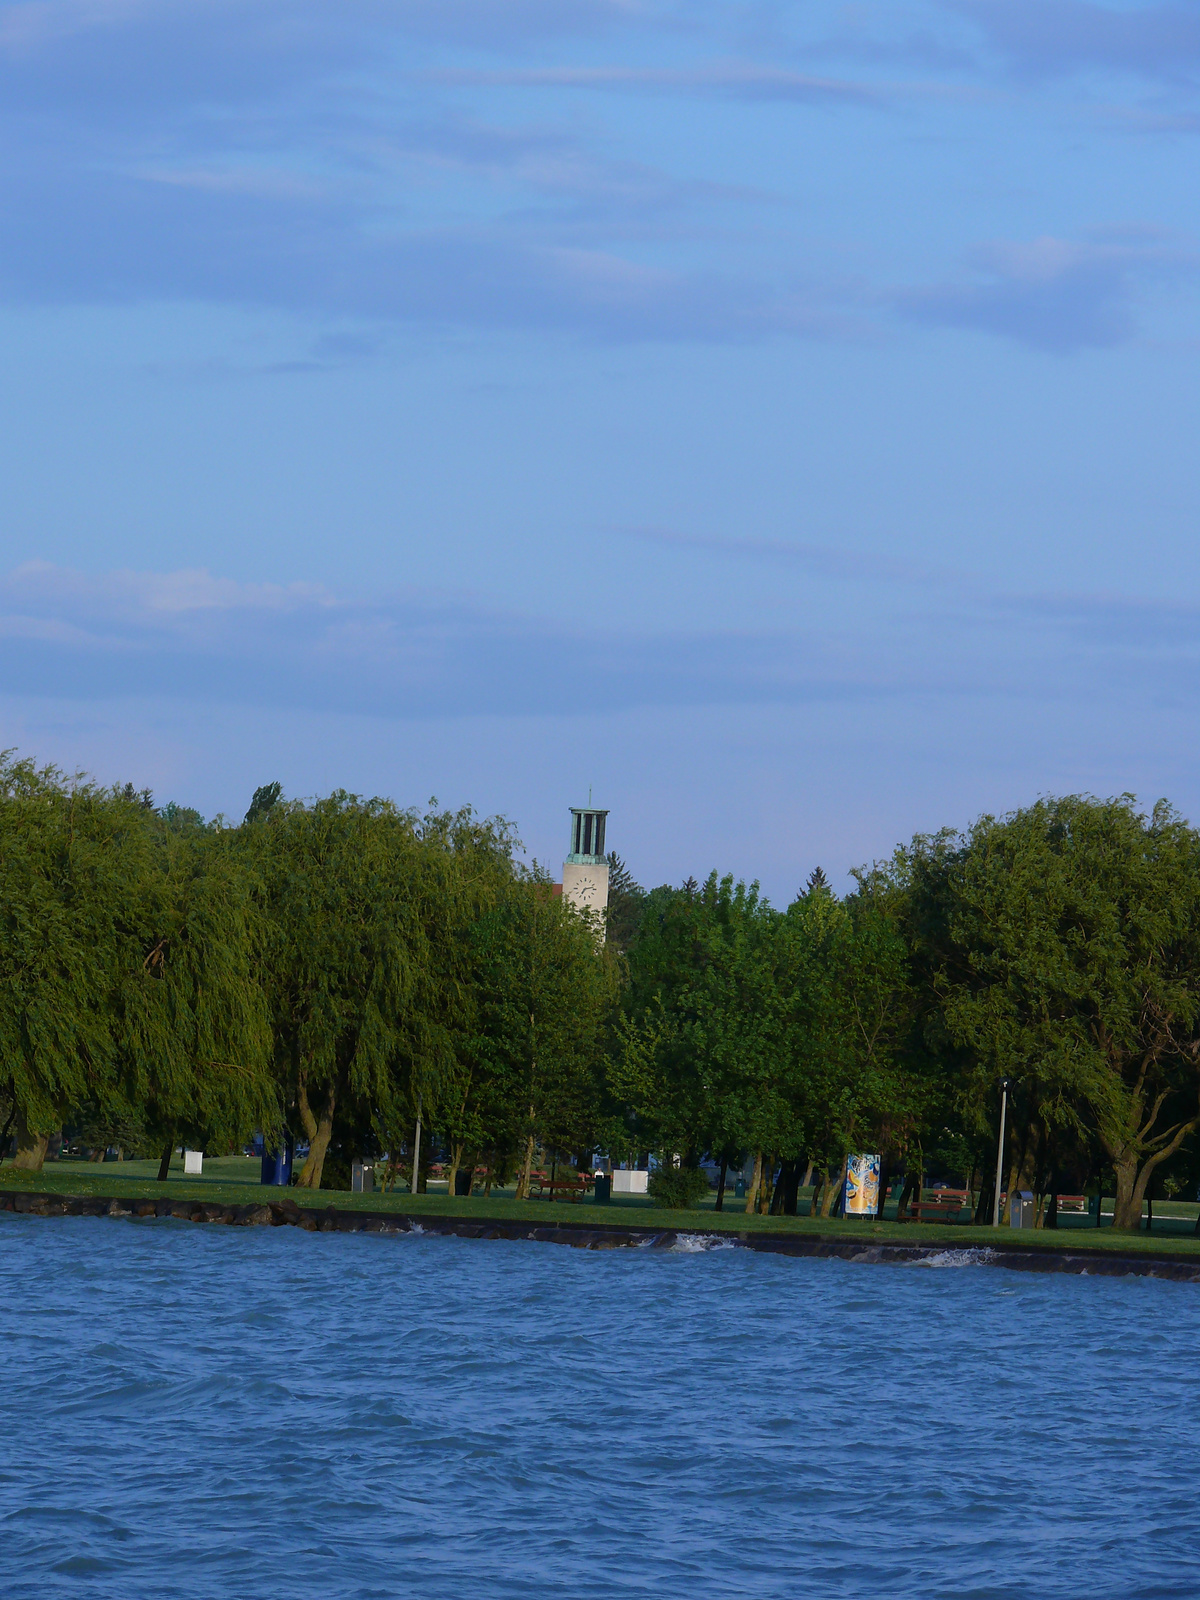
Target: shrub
pixel 677 1188
pixel 335 1172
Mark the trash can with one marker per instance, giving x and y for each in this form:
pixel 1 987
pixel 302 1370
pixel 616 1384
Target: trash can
pixel 463 1179
pixel 739 1189
pixel 603 1189
pixel 277 1166
pixel 1021 1209
pixel 362 1177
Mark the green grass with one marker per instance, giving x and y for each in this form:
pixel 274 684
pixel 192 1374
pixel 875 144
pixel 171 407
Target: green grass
pixel 233 1180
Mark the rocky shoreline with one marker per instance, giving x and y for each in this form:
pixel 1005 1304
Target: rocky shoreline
pixel 583 1236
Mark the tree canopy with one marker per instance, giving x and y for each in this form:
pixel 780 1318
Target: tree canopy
pixel 332 970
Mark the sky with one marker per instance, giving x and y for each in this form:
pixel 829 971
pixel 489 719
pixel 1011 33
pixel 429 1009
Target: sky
pixel 777 420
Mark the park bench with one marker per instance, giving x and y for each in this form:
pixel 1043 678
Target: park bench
pixel 574 1188
pixel 1071 1202
pixel 946 1208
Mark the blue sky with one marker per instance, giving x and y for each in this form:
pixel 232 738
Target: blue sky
pixel 780 418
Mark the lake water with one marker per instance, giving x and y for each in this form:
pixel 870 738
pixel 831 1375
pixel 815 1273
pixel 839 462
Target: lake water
pixel 206 1412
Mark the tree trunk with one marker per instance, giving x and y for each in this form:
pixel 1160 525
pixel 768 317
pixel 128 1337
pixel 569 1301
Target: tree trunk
pixel 752 1191
pixel 765 1195
pixel 720 1205
pixel 832 1190
pixel 808 1176
pixel 1131 1190
pixel 31 1147
pixel 310 1174
pixel 523 1181
pixel 164 1166
pixel 783 1200
pixel 912 1185
pixel 456 1152
pixel 307 1121
pixel 885 1177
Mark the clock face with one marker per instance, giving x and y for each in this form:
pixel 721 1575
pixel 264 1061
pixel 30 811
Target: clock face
pixel 585 888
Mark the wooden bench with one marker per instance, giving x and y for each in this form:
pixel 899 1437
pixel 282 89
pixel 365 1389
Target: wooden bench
pixel 574 1187
pixel 1070 1202
pixel 946 1207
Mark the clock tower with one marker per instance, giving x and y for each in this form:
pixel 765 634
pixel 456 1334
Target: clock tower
pixel 585 871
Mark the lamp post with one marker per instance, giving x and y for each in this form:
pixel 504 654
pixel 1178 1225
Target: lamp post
pixel 1004 1087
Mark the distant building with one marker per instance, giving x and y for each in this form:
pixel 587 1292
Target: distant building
pixel 585 871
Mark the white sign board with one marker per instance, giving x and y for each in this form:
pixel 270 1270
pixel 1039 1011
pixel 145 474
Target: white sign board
pixel 629 1182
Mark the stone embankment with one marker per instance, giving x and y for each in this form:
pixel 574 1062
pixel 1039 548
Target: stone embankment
pixel 284 1212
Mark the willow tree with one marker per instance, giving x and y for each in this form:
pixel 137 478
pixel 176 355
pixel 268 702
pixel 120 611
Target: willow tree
pixel 64 885
pixel 348 953
pixel 1063 942
pixel 193 1032
pixel 461 871
pixel 126 969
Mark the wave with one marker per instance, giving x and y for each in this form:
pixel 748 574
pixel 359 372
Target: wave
pixel 979 1256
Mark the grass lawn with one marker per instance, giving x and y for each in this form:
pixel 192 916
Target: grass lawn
pixel 234 1180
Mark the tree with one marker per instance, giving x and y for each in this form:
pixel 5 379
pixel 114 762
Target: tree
pixel 368 912
pixel 626 903
pixel 545 989
pixel 1063 942
pixel 62 893
pixel 192 1027
pixel 345 950
pixel 127 987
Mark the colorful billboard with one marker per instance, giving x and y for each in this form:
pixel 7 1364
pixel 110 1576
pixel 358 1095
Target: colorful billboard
pixel 862 1186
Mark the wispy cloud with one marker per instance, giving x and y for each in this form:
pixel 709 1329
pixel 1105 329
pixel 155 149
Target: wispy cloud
pixel 740 80
pixel 193 636
pixel 1056 36
pixel 1054 294
pixel 821 561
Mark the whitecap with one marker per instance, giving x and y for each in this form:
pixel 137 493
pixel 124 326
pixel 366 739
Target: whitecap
pixel 980 1256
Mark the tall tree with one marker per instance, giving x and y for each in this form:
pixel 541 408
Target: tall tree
pixel 193 1035
pixel 545 989
pixel 345 950
pixel 65 880
pixel 1063 942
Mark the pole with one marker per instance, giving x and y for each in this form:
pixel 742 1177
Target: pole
pixel 1000 1154
pixel 416 1166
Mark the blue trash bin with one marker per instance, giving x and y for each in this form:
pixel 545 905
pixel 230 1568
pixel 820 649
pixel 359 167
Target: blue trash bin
pixel 277 1166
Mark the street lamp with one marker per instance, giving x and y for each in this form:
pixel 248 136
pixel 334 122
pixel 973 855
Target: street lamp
pixel 1005 1085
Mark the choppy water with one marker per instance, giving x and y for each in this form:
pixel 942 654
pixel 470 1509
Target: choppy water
pixel 205 1412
